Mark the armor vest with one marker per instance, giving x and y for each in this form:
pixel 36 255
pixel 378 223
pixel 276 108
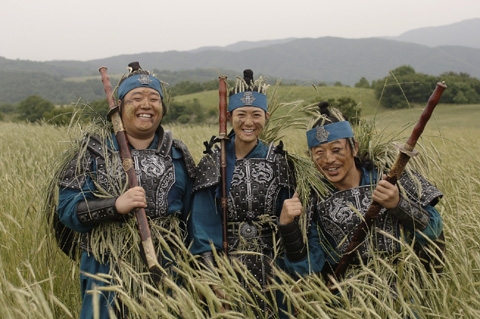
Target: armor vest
pixel 254 189
pixel 339 215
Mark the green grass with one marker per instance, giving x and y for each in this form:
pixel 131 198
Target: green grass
pixel 38 281
pixel 366 97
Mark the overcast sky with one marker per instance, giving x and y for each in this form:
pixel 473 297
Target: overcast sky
pixel 43 30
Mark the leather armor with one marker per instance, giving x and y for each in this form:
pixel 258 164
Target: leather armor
pixel 254 189
pixel 153 167
pixel 339 214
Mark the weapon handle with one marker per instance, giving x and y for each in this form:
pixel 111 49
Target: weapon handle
pixel 222 122
pixel 127 163
pixel 392 177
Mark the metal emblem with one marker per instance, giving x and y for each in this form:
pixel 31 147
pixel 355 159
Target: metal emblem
pixel 144 79
pixel 248 231
pixel 322 134
pixel 248 98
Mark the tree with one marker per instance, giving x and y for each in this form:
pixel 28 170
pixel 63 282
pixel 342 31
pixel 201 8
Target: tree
pixel 33 108
pixel 362 83
pixel 60 115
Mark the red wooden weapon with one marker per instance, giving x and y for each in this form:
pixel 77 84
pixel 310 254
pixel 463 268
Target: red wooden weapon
pixel 406 152
pixel 222 136
pixel 127 162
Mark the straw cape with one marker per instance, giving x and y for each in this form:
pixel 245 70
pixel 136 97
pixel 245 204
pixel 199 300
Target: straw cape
pixel 194 298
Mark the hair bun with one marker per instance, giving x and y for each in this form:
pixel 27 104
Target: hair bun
pixel 134 66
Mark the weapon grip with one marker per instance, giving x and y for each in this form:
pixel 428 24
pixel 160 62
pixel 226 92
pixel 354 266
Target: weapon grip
pixel 222 105
pixel 426 114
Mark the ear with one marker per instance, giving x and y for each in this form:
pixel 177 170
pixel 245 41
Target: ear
pixel 355 151
pixel 229 116
pixel 267 115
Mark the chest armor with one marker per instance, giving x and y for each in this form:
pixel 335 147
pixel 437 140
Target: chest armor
pixel 155 173
pixel 255 185
pixel 339 215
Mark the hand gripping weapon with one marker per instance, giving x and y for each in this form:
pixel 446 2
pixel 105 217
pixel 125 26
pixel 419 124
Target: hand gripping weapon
pixel 222 136
pixel 127 162
pixel 406 151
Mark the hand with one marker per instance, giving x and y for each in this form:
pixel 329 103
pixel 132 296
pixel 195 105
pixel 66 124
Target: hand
pixel 291 208
pixel 131 199
pixel 386 194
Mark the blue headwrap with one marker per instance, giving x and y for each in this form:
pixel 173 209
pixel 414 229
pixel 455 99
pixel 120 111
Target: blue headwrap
pixel 247 98
pixel 328 133
pixel 139 80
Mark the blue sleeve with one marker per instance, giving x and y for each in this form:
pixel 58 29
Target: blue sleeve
pixel 315 259
pixel 179 197
pixel 205 224
pixel 68 200
pixel 434 227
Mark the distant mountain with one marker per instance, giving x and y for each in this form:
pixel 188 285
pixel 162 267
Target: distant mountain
pixel 305 61
pixel 325 59
pixel 464 33
pixel 243 45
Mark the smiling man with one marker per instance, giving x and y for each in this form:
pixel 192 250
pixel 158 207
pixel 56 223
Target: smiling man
pixel 94 204
pixel 407 215
pixel 257 182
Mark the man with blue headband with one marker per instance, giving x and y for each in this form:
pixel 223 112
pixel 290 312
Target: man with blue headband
pixel 94 204
pixel 257 182
pixel 352 185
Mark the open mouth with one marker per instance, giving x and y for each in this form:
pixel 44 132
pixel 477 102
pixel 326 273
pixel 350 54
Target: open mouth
pixel 146 116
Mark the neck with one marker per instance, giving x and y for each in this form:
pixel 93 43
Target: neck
pixel 242 149
pixel 350 181
pixel 140 143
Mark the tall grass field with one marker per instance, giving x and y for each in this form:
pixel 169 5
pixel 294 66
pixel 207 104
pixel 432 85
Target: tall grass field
pixel 38 281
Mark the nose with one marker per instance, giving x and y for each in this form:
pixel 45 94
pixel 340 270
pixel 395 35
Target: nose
pixel 329 157
pixel 248 120
pixel 144 103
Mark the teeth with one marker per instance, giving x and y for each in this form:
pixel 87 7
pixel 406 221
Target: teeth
pixel 145 115
pixel 332 169
pixel 248 131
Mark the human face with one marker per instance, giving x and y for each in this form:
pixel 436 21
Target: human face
pixel 335 160
pixel 248 123
pixel 142 112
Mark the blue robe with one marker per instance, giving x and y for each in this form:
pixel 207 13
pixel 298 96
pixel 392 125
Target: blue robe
pixel 178 203
pixel 320 246
pixel 206 225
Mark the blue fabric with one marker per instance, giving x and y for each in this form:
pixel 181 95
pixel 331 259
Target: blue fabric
pixel 205 223
pixel 328 133
pixel 321 249
pixel 178 201
pixel 247 98
pixel 140 80
pixel 206 220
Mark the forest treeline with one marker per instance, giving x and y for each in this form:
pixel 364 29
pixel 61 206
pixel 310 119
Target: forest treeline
pixel 398 89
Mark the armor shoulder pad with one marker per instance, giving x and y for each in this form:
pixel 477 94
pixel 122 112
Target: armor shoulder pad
pixel 95 145
pixel 74 174
pixel 420 190
pixel 165 145
pixel 276 155
pixel 187 157
pixel 208 171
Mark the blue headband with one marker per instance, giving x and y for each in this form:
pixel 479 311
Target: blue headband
pixel 328 133
pixel 139 80
pixel 247 98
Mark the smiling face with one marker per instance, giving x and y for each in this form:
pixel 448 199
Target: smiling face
pixel 142 112
pixel 248 123
pixel 335 160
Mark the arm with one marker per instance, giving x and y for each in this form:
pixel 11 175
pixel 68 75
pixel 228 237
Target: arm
pixel 300 259
pixel 205 224
pixel 425 221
